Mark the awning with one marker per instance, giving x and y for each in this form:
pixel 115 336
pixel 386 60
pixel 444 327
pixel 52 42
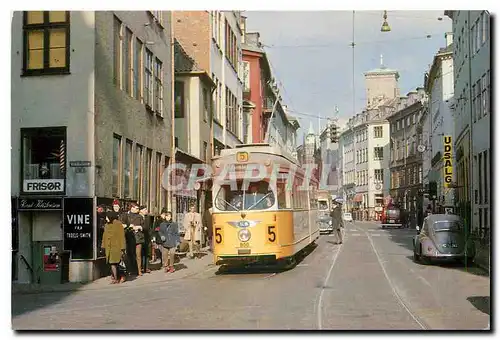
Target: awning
pixel 358 198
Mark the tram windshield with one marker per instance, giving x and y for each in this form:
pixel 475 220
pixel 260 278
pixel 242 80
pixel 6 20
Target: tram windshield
pixel 252 196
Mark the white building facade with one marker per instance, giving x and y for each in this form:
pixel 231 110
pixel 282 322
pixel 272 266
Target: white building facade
pixel 472 112
pixel 226 67
pixel 440 89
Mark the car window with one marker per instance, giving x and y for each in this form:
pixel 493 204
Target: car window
pixel 448 226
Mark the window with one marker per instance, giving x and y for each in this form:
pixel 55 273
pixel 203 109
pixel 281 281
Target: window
pixel 479 106
pixel 485 26
pixel 158 90
pixel 206 104
pixel 148 78
pixel 379 175
pixel 158 15
pixel 420 174
pixel 398 124
pixel 127 65
pixel 138 171
pixel 163 190
pixel 127 169
pixel 154 183
pixel 43 159
pixel 484 95
pixel 179 99
pixel 158 184
pixel 485 175
pixel 117 48
pixel 146 178
pixel 137 69
pixel 46 42
pixel 378 153
pixel 480 166
pixel 117 155
pixel 231 46
pixel 205 151
pixel 378 132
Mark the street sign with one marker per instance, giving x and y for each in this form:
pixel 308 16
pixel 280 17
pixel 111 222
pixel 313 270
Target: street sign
pixel 79 164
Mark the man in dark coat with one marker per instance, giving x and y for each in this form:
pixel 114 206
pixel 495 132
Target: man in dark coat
pixel 169 240
pixel 129 219
pixel 147 230
pixel 337 220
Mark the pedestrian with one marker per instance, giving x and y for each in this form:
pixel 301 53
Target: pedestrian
pixel 168 232
pixel 113 243
pixel 208 227
pixel 337 221
pixel 146 229
pixel 193 228
pixel 135 238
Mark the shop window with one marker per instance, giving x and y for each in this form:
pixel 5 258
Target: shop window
pixel 46 42
pixel 43 160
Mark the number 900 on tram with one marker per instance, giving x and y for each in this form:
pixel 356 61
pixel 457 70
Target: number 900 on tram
pixel 262 211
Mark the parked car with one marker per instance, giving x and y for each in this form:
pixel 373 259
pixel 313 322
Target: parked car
pixel 442 237
pixel 347 217
pixel 391 217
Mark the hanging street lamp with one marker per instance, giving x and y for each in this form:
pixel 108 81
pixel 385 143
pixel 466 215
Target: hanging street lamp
pixel 385 26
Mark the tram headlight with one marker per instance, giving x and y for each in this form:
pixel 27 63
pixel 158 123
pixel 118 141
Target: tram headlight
pixel 244 235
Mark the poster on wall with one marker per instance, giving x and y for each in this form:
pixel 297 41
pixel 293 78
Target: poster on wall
pixel 50 259
pixel 78 227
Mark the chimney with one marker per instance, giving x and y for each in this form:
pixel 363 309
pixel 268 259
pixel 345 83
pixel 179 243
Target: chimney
pixel 243 25
pixel 449 38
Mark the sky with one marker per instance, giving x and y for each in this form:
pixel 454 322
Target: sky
pixel 311 55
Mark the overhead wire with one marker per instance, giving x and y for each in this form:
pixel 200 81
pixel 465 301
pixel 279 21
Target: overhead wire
pixel 330 44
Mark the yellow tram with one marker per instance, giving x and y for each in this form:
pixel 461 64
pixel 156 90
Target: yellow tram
pixel 266 218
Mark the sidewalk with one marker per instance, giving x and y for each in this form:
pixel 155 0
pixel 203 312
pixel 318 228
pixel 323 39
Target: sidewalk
pixel 185 268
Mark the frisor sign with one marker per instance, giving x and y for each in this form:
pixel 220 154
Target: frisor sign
pixel 43 204
pixel 78 227
pixel 43 185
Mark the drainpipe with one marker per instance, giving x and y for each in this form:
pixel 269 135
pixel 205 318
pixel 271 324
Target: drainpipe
pixel 471 148
pixel 172 204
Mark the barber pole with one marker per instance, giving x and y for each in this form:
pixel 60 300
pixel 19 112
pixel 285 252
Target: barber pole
pixel 62 157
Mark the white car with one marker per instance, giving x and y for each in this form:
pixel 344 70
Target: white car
pixel 347 217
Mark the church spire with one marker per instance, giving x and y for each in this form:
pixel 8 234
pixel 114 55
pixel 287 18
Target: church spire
pixel 311 129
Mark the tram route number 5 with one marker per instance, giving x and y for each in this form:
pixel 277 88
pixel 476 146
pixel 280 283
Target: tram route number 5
pixel 271 233
pixel 218 235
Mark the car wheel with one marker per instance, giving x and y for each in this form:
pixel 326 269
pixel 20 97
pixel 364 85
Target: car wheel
pixel 383 227
pixel 416 257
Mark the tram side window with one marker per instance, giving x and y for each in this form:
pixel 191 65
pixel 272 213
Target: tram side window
pixel 283 203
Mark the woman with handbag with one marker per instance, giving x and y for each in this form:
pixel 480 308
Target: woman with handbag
pixel 137 225
pixel 113 242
